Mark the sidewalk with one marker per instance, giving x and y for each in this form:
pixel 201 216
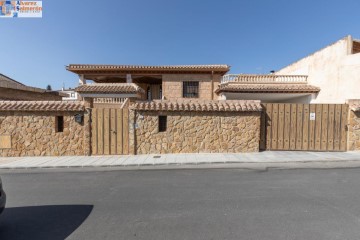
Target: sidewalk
pixel 169 160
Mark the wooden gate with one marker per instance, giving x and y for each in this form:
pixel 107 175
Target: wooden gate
pixel 304 127
pixel 110 131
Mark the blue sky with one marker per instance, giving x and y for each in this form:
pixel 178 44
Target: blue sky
pixel 252 36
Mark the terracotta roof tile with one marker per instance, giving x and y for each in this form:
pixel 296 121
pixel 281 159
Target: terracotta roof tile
pixel 354 105
pixel 110 88
pixel 41 106
pixel 222 67
pixel 278 87
pixel 199 105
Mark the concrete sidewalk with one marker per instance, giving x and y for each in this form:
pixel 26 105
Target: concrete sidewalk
pixel 172 160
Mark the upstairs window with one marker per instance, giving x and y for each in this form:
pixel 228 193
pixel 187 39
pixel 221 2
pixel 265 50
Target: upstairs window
pixel 162 123
pixel 190 89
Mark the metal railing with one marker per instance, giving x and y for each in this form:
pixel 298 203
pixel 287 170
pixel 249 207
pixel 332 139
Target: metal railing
pixel 248 78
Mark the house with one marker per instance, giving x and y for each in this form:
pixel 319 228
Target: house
pixel 330 75
pixel 335 69
pixel 14 90
pixel 71 94
pixel 165 109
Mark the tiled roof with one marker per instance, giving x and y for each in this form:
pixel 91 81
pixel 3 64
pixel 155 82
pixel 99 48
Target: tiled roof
pixel 110 88
pixel 161 69
pixel 199 105
pixel 140 67
pixel 41 106
pixel 354 105
pixel 278 87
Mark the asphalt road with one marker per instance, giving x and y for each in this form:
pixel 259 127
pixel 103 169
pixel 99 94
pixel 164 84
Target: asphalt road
pixel 182 204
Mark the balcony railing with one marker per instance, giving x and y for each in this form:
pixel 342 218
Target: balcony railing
pixel 109 100
pixel 247 78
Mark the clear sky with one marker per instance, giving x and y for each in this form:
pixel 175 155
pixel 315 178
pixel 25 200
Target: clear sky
pixel 252 36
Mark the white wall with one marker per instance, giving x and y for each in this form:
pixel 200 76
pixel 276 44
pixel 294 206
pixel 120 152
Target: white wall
pixel 333 69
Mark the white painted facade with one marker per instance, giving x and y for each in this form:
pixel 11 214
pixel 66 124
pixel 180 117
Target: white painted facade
pixel 335 69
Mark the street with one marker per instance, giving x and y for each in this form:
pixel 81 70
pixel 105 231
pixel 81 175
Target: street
pixel 181 204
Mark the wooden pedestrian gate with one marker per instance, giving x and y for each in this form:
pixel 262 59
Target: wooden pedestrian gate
pixel 304 127
pixel 110 131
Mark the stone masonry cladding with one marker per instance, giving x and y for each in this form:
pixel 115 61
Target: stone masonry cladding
pixel 34 134
pixel 354 131
pixel 196 132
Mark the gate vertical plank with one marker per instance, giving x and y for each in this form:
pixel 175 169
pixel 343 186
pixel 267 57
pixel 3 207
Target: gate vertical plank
pixel 126 131
pixel 106 131
pixel 281 122
pixel 330 128
pixel 293 126
pixel 113 131
pixel 263 128
pixel 324 127
pixel 299 126
pixel 306 127
pixel 274 128
pixel 318 111
pixel 343 130
pixel 287 127
pixel 94 131
pixel 268 125
pixel 312 129
pixel 100 129
pixel 119 130
pixel 337 127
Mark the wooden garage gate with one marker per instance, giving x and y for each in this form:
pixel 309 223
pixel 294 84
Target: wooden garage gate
pixel 304 127
pixel 110 131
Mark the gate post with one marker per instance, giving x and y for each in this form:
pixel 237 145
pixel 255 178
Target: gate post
pixel 88 102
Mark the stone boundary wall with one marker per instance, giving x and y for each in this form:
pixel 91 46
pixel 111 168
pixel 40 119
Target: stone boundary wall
pixel 195 132
pixel 354 131
pixel 34 134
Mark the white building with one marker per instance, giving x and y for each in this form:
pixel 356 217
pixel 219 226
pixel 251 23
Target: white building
pixel 330 75
pixel 72 95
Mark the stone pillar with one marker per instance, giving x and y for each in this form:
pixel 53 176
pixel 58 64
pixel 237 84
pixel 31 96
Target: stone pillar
pixel 132 132
pixel 129 78
pixel 82 79
pixel 88 102
pixel 354 126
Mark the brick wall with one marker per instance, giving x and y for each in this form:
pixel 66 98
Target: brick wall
pixel 173 85
pixel 34 134
pixel 193 132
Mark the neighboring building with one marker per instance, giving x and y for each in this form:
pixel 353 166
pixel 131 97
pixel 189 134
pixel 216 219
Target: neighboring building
pixel 330 75
pixel 335 69
pixel 72 95
pixel 13 90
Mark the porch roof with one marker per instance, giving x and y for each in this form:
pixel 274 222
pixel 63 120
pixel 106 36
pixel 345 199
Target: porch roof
pixel 46 106
pixel 108 88
pixel 267 88
pixel 199 105
pixel 96 68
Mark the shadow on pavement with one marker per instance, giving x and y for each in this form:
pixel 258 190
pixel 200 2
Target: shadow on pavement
pixel 42 222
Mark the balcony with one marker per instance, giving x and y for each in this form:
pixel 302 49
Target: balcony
pixel 261 79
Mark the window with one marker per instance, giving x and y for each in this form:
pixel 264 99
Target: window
pixel 59 123
pixel 148 93
pixel 162 123
pixel 190 89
